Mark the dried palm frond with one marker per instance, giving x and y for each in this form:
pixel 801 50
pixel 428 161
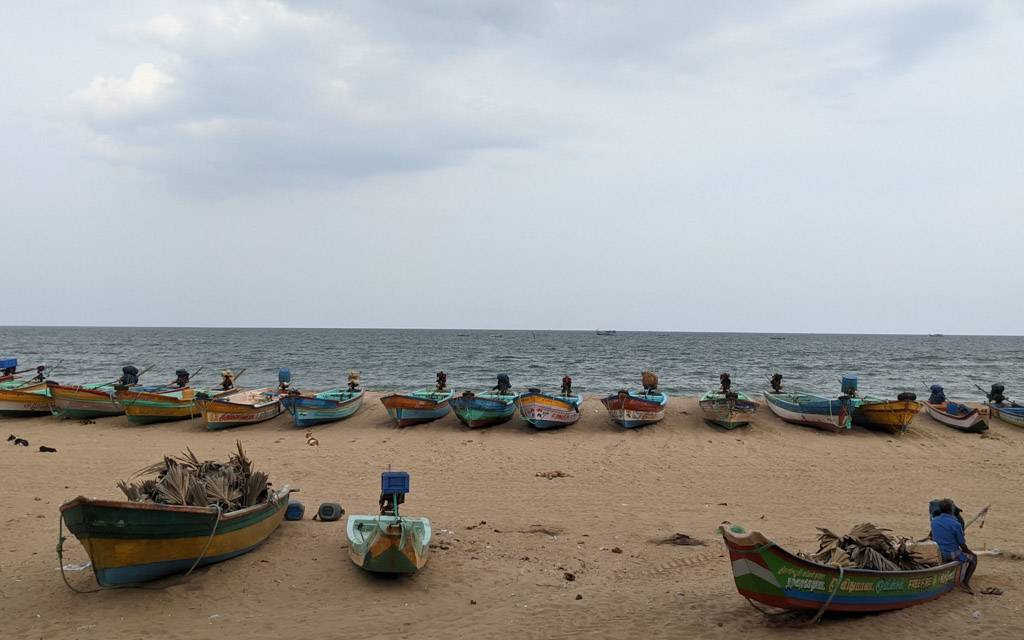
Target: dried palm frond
pixel 173 487
pixel 219 491
pixel 866 546
pixel 255 489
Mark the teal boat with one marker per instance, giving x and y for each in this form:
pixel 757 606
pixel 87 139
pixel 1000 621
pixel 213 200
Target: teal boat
pixel 389 542
pixel 483 409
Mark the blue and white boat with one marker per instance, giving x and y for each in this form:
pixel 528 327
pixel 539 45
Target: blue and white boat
pixel 812 411
pixel 309 409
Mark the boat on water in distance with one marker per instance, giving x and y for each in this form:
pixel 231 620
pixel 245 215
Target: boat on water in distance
pixel 606 332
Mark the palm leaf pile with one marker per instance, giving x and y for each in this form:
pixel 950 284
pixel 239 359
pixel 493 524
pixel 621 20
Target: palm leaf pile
pixel 187 480
pixel 866 547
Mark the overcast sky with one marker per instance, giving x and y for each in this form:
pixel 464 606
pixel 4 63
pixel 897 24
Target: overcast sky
pixel 828 166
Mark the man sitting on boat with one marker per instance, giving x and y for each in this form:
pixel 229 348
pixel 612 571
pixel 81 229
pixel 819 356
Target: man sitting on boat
pixel 227 379
pixel 948 533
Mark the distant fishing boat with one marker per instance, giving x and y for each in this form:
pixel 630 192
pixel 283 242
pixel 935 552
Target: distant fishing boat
pixel 134 542
pixel 606 332
pixel 767 573
pixel 810 410
pixel 309 409
pixel 549 411
pixel 483 409
pixel 20 398
pixel 728 411
pixel 240 407
pixel 389 542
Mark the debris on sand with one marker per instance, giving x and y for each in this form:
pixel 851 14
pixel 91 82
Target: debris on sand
pixel 681 539
pixel 569 576
pixel 45 449
pixel 552 474
pixel 546 530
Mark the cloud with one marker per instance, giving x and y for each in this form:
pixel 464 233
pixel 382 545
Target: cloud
pixel 108 98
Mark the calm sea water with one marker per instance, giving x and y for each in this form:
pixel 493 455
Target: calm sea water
pixel 399 359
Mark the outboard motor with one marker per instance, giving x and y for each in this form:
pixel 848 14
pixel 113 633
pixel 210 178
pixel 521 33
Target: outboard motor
pixel 776 383
pixel 566 386
pixel 284 378
pixel 650 381
pixel 129 376
pixel 996 395
pixel 726 382
pixel 442 380
pixel 40 373
pixel 938 395
pixel 504 385
pixel 182 377
pixel 393 487
pixel 227 379
pixel 849 385
pixel 907 396
pixel 353 381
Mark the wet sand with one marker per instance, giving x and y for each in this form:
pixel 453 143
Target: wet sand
pixel 505 538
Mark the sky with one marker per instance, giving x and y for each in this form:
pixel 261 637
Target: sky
pixel 824 166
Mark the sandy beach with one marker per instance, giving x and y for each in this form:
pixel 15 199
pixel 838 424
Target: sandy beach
pixel 505 537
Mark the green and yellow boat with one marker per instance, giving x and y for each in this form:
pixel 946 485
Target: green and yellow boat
pixel 389 542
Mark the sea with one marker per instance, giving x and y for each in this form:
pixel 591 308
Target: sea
pixel 406 359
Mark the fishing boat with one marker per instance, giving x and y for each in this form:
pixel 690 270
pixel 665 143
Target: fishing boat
pixel 727 410
pixel 1008 413
pixel 633 409
pixel 606 332
pixel 240 407
pixel 765 572
pixel 890 416
pixel 159 405
pixel 20 398
pixel 957 416
pixel 83 402
pixel 483 409
pixel 133 542
pixel 389 542
pixel 810 410
pixel 419 406
pixel 309 409
pixel 549 411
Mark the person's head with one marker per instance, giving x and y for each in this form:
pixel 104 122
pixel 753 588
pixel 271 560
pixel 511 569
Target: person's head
pixel 946 506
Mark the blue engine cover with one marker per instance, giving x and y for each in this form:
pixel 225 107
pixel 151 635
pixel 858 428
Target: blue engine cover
pixel 394 482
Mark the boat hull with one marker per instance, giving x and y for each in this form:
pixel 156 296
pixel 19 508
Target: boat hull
pixel 810 411
pixel 133 542
pixel 240 408
pixel 634 409
pixel 728 413
pixel 890 416
pixel 388 544
pixel 25 401
pixel 1009 415
pixel 484 410
pixel 308 411
pixel 769 574
pixel 147 407
pixel 971 422
pixel 408 409
pixel 544 411
pixel 83 403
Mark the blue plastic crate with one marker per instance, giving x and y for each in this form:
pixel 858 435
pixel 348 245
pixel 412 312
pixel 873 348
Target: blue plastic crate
pixel 849 384
pixel 394 482
pixel 8 363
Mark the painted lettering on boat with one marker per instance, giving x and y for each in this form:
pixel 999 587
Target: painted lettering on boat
pixel 805 584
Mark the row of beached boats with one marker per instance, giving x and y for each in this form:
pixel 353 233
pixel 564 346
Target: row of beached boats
pixel 229 406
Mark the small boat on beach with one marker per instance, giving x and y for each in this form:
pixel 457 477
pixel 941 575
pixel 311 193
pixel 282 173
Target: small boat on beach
pixel 549 411
pixel 999 406
pixel 483 409
pixel 22 399
pixel 810 410
pixel 890 416
pixel 956 415
pixel 389 542
pixel 765 572
pixel 727 408
pixel 239 407
pixel 160 405
pixel 633 409
pixel 420 406
pixel 309 409
pixel 94 400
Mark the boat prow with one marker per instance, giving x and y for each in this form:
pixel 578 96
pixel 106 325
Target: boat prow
pixel 388 544
pixel 548 411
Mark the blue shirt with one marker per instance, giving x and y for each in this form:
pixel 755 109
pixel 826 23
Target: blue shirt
pixel 948 534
